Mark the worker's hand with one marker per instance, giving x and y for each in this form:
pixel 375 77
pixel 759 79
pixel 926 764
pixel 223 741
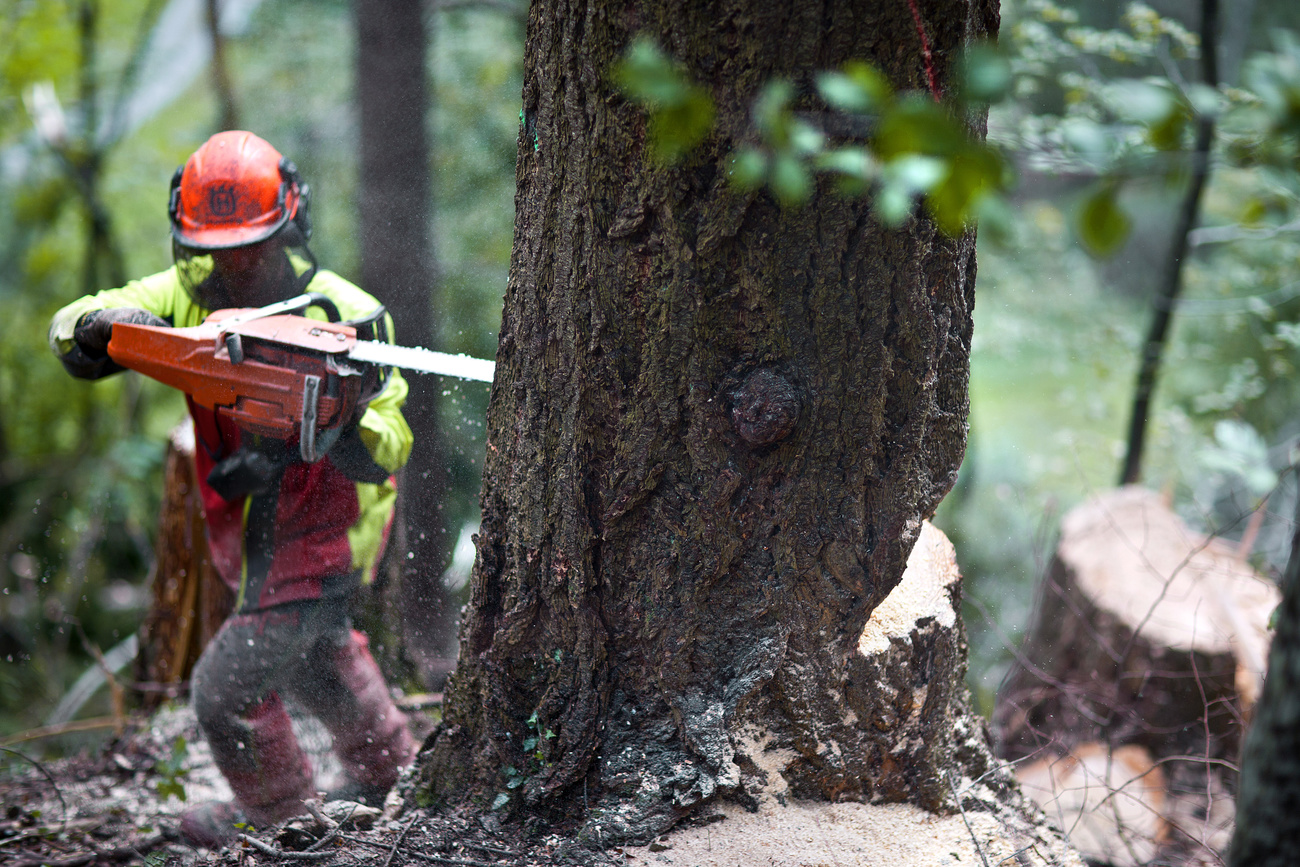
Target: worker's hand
pixel 96 328
pixel 249 472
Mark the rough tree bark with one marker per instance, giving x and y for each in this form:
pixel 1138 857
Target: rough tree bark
pixel 399 266
pixel 1268 800
pixel 716 427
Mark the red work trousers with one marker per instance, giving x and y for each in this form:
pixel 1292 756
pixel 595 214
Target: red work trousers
pixel 309 651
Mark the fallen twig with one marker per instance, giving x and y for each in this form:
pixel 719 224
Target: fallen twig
pixel 74 727
pixel 492 849
pixel 48 776
pixel 398 841
pixel 335 828
pixel 288 855
pixel 415 853
pixel 973 838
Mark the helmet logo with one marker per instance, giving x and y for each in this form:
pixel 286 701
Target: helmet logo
pixel 221 200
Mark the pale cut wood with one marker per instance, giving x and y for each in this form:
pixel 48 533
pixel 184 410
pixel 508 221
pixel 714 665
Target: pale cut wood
pixel 1179 588
pixel 1111 805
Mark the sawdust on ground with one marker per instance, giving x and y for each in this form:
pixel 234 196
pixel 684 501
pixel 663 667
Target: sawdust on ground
pixel 847 835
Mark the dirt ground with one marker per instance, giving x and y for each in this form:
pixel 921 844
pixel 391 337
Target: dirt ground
pixel 118 808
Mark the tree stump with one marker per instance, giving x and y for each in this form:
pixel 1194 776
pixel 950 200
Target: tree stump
pixel 1131 690
pixel 189 601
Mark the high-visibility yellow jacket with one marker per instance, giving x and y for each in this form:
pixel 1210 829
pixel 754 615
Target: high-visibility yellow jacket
pixel 327 527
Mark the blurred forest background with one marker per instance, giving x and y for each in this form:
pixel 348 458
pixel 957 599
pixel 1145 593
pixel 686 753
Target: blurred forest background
pixel 100 101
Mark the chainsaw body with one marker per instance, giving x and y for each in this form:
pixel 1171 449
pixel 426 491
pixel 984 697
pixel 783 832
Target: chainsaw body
pixel 272 373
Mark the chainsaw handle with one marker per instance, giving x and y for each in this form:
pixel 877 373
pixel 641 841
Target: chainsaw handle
pixel 318 300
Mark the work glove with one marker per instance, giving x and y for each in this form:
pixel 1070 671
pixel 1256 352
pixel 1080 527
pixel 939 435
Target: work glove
pixel 250 471
pixel 351 457
pixel 94 330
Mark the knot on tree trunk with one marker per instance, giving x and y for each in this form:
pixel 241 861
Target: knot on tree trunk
pixel 764 408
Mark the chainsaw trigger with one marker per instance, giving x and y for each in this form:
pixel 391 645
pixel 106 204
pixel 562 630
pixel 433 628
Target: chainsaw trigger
pixel 307 433
pixel 235 348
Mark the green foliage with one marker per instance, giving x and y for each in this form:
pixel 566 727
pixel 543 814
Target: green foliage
pixel 171 771
pixel 918 149
pixel 681 112
pixel 1103 225
pixel 1275 80
pixel 1240 450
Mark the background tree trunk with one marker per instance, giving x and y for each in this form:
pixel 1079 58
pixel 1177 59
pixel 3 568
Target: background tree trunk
pixel 1268 822
pixel 716 427
pixel 398 266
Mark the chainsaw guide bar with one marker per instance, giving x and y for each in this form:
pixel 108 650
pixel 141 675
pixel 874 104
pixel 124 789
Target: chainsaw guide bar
pixel 275 373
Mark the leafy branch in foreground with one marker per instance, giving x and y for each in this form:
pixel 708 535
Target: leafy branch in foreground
pixel 903 147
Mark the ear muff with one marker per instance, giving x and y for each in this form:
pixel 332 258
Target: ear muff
pixel 293 181
pixel 174 195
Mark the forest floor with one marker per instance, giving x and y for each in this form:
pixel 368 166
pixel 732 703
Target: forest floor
pixel 120 807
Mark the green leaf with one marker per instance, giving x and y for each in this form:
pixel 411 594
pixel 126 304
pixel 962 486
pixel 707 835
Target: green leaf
pixel 1141 101
pixel 853 168
pixel 918 125
pixel 971 175
pixel 648 76
pixel 842 92
pixel 893 203
pixel 530 744
pixel 916 173
pixel 984 74
pixel 500 801
pixel 681 113
pixel 791 183
pixel 1103 226
pixel 677 130
pixel 749 169
pixel 805 139
pixel 1087 137
pixel 168 787
pixel 772 112
pixel 859 88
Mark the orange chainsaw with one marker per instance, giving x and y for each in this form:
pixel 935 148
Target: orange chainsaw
pixel 274 372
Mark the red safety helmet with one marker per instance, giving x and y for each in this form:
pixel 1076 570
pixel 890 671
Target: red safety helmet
pixel 236 190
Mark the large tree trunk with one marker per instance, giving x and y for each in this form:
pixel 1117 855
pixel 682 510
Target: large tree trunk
pixel 398 266
pixel 716 427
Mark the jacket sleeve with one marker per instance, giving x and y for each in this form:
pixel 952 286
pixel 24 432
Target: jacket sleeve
pixel 156 293
pixel 382 428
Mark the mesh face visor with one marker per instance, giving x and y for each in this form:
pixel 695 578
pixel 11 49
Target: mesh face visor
pixel 213 291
